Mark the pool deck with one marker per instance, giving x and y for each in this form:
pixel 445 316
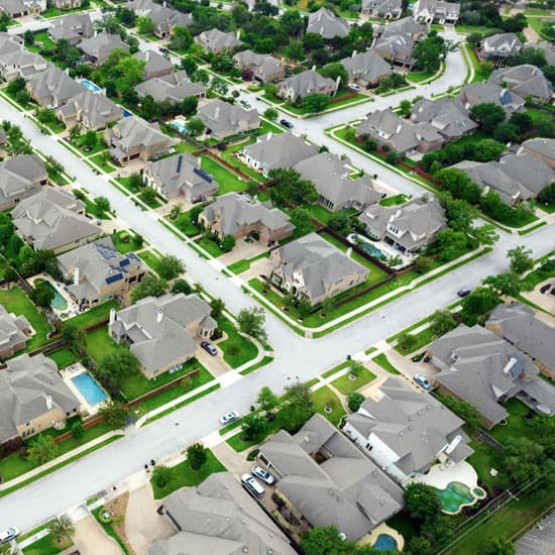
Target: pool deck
pixel 71 372
pixel 387 250
pixel 372 537
pixel 72 308
pixel 440 476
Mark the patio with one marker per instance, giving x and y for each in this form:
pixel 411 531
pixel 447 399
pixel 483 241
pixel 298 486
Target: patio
pixel 62 305
pixel 441 475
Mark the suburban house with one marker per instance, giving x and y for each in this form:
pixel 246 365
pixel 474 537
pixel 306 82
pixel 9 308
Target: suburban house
pixel 488 93
pixel 325 23
pixel 237 522
pixel 405 432
pixel 133 138
pixel 384 9
pixel 53 87
pixel 314 270
pixel 336 189
pixel 328 481
pixel 97 272
pixel 174 87
pixel 92 111
pixel 20 178
pixel 53 220
pixel 547 48
pixel 156 65
pixel 14 332
pixel 20 8
pixel 529 331
pixel 514 177
pixel 161 331
pixel 409 227
pixel 243 216
pixel 180 176
pixel 397 40
pixel 484 370
pixel 223 119
pixel 543 149
pixel 448 116
pixel 66 4
pixel 217 42
pixel 98 48
pixel 33 398
pixel 271 152
pixel 302 84
pixel 16 61
pixel 525 80
pixel 500 46
pixel 366 68
pixel 387 128
pixel 164 18
pixel 73 27
pixel 436 11
pixel 259 67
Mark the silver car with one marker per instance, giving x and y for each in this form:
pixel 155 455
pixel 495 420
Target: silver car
pixel 264 475
pixel 9 535
pixel 229 417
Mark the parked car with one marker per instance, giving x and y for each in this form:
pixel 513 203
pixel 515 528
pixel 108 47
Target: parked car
pixel 422 382
pixel 464 291
pixel 252 486
pixel 9 535
pixel 354 87
pixel 264 475
pixel 209 348
pixel 229 417
pixel 286 123
pixel 244 103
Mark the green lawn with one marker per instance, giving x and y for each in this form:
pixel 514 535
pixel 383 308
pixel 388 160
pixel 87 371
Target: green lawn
pixel 126 242
pixel 325 397
pixel 238 350
pixel 516 425
pixel 228 182
pixel 45 40
pixel 151 259
pixel 346 386
pixel 99 344
pixel 394 200
pixel 229 155
pixel 109 529
pixel 98 160
pixel 125 181
pixel 243 265
pixel 46 546
pixel 16 301
pixel 63 357
pixel 422 338
pixel 185 225
pixel 483 460
pixel 382 361
pixel 209 246
pixel 184 476
pixel 419 76
pixel 93 316
pixel 319 213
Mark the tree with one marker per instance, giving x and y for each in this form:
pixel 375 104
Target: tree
pixel 103 204
pixel 313 41
pixel 115 414
pixel 480 301
pixel 42 449
pixel 423 264
pixel 169 267
pixel 228 243
pixel 354 400
pixel 316 102
pixel 195 127
pixel 422 502
pixel 497 546
pixel 29 37
pixel 289 186
pixel 145 25
pixel 148 195
pixel 77 430
pixel 429 52
pixel 300 218
pixel 181 286
pixel 419 545
pixel 522 121
pixel 328 305
pixel 462 409
pixel 89 139
pixel 254 427
pixel 442 322
pixel 42 295
pixel 334 71
pixel 506 132
pixel 150 286
pixel 392 157
pixel 267 400
pixel 520 259
pixel 61 529
pixel 488 115
pixel 406 342
pixel 547 196
pixel 162 476
pixel 507 283
pixel 181 39
pixel 217 307
pixel 251 322
pixel 118 364
pixel 326 541
pixel 197 455
pixel 271 114
pixel 405 108
pixel 340 222
pixel 219 86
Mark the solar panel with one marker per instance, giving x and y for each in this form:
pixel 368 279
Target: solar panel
pixel 113 279
pixel 201 173
pixel 124 262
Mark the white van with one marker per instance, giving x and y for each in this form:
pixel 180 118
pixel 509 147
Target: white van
pixel 252 486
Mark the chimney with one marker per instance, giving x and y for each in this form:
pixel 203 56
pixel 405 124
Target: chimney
pixel 314 67
pixel 48 400
pixel 112 317
pixel 354 54
pixel 76 276
pixel 159 316
pixel 238 34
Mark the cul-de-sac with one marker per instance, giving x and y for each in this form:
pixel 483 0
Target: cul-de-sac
pixel 277 277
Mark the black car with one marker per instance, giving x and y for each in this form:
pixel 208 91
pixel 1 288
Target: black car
pixel 164 50
pixel 209 348
pixel 286 123
pixel 464 292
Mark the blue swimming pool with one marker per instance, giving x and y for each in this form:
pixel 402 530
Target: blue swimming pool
pixel 179 127
pixel 93 87
pixel 385 543
pixel 88 387
pixel 126 113
pixel 371 250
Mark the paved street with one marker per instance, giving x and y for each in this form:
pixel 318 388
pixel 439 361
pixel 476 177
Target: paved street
pixel 296 357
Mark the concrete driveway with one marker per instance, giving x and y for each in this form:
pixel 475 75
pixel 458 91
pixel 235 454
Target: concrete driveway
pixel 90 539
pixel 143 525
pixel 235 462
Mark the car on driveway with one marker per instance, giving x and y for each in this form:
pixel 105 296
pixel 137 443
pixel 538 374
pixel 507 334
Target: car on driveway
pixel 286 123
pixel 264 475
pixel 209 348
pixel 9 535
pixel 422 382
pixel 252 486
pixel 229 417
pixel 244 103
pixel 353 87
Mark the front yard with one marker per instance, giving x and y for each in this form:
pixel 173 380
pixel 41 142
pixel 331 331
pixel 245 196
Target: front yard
pixel 346 385
pixel 237 349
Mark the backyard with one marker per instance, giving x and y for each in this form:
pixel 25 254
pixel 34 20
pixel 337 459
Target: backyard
pixel 228 182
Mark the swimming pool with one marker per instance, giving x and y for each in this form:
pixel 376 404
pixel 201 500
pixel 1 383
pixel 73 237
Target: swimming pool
pixel 366 245
pixel 458 495
pixel 88 387
pixel 385 542
pixel 179 127
pixel 93 87
pixel 58 302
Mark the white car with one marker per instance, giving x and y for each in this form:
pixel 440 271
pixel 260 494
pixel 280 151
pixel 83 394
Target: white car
pixel 264 475
pixel 229 417
pixel 9 535
pixel 354 87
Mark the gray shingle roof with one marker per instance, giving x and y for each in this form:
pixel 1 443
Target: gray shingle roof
pixel 225 119
pixel 346 490
pixel 53 86
pixel 526 80
pixel 448 116
pixel 502 45
pixel 307 82
pixel 366 65
pixel 20 175
pixel 12 329
pixel 174 87
pixel 216 40
pixel 71 26
pixel 132 132
pixel 542 147
pixel 324 22
pixel 97 109
pixel 489 93
pixel 154 62
pixel 102 45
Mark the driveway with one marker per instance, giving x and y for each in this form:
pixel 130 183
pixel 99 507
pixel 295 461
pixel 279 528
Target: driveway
pixel 217 366
pixel 243 251
pixel 235 462
pixel 143 525
pixel 90 539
